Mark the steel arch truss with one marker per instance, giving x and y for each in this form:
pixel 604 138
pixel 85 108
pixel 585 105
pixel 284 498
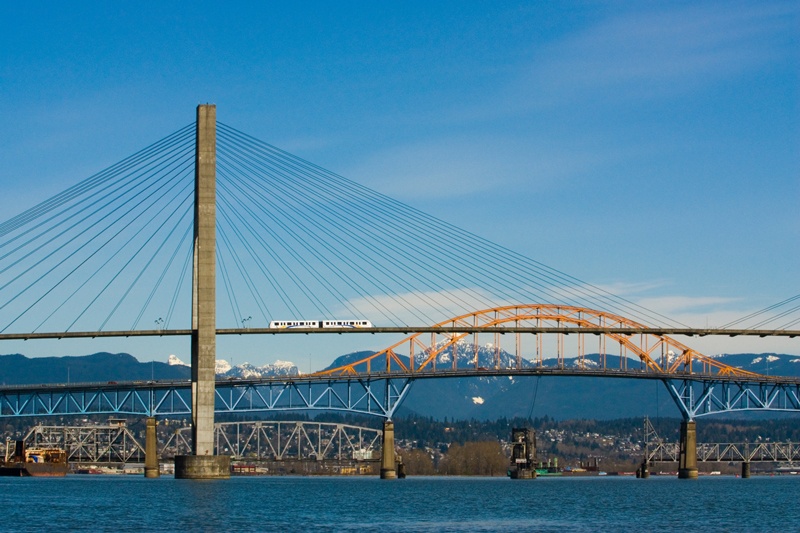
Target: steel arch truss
pixel 702 397
pixel 658 353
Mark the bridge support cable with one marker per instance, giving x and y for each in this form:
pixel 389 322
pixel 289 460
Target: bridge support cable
pixel 225 242
pixel 293 233
pixel 69 274
pixel 325 224
pixel 180 138
pixel 179 285
pixel 393 257
pixel 423 227
pixel 773 313
pixel 170 229
pixel 256 258
pixel 128 192
pixel 226 283
pixel 132 195
pixel 291 184
pixel 259 237
pixel 57 258
pixel 302 232
pixel 93 276
pixel 182 242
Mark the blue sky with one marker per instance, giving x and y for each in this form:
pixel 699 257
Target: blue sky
pixel 650 148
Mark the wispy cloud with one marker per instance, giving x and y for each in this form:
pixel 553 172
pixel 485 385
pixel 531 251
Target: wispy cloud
pixel 455 167
pixel 636 288
pixel 421 307
pixel 636 55
pixel 649 53
pixel 686 305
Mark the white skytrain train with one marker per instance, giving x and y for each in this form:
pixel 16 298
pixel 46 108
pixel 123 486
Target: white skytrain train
pixel 310 324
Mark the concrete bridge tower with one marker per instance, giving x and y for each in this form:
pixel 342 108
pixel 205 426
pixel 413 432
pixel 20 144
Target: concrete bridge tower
pixel 203 464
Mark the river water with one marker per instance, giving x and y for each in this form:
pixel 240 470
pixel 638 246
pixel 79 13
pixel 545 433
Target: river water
pixel 132 503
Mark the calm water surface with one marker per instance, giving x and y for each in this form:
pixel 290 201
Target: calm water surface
pixel 128 503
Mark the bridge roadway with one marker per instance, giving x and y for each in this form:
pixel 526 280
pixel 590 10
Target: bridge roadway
pixel 406 330
pixel 380 375
pixel 377 393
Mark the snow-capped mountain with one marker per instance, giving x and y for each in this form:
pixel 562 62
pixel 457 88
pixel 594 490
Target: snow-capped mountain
pixel 488 356
pixel 173 360
pixel 249 371
pixel 246 370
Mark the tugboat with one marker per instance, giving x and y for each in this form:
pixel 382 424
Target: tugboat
pixel 35 462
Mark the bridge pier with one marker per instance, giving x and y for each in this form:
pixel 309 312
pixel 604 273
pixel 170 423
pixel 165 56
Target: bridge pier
pixel 388 468
pixel 151 468
pixel 745 469
pixel 203 464
pixel 687 465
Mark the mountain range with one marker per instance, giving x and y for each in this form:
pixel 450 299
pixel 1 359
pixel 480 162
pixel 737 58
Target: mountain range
pixel 246 370
pixel 562 397
pixel 482 398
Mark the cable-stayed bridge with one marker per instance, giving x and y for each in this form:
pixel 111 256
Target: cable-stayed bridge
pixel 112 254
pixel 140 248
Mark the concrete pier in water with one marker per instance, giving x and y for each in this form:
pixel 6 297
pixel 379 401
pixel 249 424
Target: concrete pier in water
pixel 203 464
pixel 388 468
pixel 687 465
pixel 151 468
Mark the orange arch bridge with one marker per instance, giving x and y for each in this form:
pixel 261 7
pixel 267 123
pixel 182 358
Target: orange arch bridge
pixel 699 385
pixel 658 354
pixel 376 385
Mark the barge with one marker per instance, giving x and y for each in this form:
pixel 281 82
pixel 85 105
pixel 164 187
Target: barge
pixel 34 462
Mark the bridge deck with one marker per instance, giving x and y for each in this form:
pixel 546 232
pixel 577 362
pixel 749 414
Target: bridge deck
pixel 406 330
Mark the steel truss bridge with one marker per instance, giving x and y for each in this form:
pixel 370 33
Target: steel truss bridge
pixel 376 385
pixel 747 452
pixel 657 450
pixel 111 443
pixel 285 441
pixel 260 440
